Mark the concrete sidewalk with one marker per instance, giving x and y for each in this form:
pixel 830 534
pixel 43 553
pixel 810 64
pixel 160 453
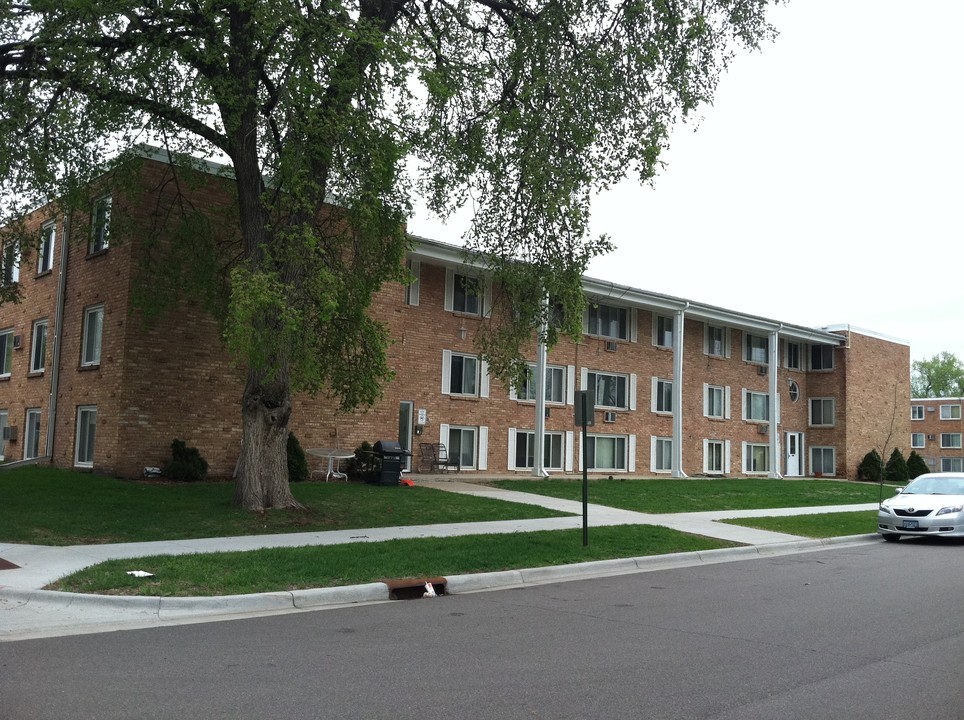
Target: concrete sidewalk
pixel 28 611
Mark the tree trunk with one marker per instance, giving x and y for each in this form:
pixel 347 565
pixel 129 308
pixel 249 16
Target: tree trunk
pixel 262 477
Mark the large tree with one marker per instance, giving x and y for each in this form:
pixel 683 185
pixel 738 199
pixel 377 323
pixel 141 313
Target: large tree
pixel 524 108
pixel 940 376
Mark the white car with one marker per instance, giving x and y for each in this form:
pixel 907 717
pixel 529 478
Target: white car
pixel 931 505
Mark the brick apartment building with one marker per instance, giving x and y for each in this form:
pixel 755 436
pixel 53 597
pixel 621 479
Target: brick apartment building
pixel 682 388
pixel 936 429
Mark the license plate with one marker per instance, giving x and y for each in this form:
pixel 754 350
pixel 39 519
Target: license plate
pixel 910 525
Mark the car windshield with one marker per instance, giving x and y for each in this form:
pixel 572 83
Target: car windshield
pixel 936 486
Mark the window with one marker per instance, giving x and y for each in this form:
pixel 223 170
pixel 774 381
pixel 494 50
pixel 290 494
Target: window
pixel 757 348
pixel 611 390
pixel 31 444
pixel 525 450
pixel 716 341
pixel 3 426
pixel 822 460
pixel 38 348
pixel 821 357
pixel 606 452
pixel 662 454
pixel 917 440
pixel 952 464
pixel 11 263
pixel 715 457
pixel 756 458
pixel 793 355
pixel 460 374
pixel 793 391
pixel 6 352
pixel 100 225
pixel 93 332
pixel 662 331
pixel 821 412
pixel 662 395
pixel 467 295
pixel 950 412
pixel 461 445
pixel 412 287
pixel 86 434
pixel 715 401
pixel 607 321
pixel 916 412
pixel 45 252
pixel 950 440
pixel 756 406
pixel 555 384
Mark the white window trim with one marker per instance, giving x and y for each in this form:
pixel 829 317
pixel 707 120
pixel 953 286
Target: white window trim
pixel 413 289
pixel 77 461
pixel 7 350
pixel 726 456
pixel 105 239
pixel 833 364
pixel 727 345
pixel 913 438
pixel 485 307
pixel 949 407
pixel 833 452
pixel 15 270
pixel 954 464
pixel 630 458
pixel 951 447
pixel 653 442
pixel 85 361
pixel 566 384
pixel 26 432
pixel 726 401
pixel 822 401
pixel 655 395
pixel 513 439
pixel 913 410
pixel 786 354
pixel 747 404
pixel 33 346
pixel 746 348
pixel 482 381
pixel 657 340
pixel 630 321
pixel 630 388
pixel 746 458
pixel 481 449
pixel 45 251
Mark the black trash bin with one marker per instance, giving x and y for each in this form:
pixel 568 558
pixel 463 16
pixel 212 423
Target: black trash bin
pixel 391 454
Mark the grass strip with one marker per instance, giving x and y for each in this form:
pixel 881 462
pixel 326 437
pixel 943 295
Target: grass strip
pixel 53 506
pixel 699 494
pixel 279 569
pixel 823 525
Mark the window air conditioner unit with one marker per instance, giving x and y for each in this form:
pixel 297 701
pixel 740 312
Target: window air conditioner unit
pixel 609 416
pixel 763 429
pixel 17 341
pixel 612 346
pixel 930 409
pixel 761 370
pixel 10 433
pixel 931 437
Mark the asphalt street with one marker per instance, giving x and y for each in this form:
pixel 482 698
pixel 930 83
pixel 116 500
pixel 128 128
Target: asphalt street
pixel 868 630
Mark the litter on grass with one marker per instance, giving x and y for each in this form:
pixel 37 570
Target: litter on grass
pixel 140 573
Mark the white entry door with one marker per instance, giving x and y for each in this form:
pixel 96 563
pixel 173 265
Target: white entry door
pixel 794 454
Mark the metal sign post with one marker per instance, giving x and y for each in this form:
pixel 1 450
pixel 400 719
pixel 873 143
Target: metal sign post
pixel 585 416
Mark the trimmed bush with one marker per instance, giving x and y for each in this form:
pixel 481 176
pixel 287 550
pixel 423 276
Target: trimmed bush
pixel 186 464
pixel 916 465
pixel 896 470
pixel 365 465
pixel 871 468
pixel 298 470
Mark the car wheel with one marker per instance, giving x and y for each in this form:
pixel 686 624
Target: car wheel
pixel 891 537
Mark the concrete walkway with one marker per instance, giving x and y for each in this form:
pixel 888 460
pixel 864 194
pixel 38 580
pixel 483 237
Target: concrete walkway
pixel 28 611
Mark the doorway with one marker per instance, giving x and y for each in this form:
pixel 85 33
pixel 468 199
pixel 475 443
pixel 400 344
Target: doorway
pixel 794 454
pixel 405 411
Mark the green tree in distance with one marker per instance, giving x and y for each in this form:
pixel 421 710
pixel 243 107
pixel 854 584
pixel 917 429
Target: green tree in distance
pixel 524 108
pixel 940 376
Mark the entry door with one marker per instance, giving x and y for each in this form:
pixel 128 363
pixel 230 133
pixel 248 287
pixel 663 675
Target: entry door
pixel 794 454
pixel 405 410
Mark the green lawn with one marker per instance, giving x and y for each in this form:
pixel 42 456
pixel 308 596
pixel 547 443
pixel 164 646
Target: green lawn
pixel 50 506
pixel 306 567
pixel 698 494
pixel 816 526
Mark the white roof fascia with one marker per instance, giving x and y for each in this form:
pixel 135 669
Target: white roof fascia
pixel 862 331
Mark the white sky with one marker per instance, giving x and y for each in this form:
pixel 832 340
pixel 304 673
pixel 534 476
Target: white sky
pixel 822 186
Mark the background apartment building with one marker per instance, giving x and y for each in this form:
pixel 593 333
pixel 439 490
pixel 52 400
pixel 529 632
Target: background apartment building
pixel 682 388
pixel 936 429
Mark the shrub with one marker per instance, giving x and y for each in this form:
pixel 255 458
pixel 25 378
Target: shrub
pixel 366 464
pixel 896 470
pixel 298 470
pixel 186 463
pixel 915 465
pixel 871 468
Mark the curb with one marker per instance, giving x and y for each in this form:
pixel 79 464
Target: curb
pixel 315 598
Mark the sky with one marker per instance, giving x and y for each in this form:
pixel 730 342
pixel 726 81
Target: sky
pixel 822 187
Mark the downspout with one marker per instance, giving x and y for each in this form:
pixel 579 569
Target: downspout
pixel 774 368
pixel 677 465
pixel 538 462
pixel 58 333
